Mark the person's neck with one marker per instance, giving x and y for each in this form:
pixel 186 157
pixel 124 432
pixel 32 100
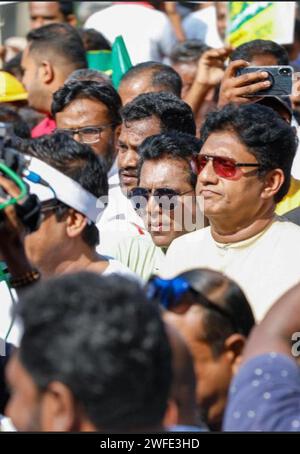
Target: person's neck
pixel 48 97
pixel 225 231
pixel 81 259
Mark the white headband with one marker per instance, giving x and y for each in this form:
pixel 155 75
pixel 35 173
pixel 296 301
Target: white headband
pixel 59 186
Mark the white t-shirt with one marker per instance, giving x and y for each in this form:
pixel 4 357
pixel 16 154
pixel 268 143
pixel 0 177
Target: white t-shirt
pixel 296 163
pixel 116 267
pixel 202 25
pixel 142 29
pixel 265 266
pixel 15 333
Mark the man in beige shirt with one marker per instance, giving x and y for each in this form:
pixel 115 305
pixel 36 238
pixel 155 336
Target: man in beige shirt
pixel 243 171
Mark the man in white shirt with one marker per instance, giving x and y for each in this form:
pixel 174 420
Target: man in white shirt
pixel 146 115
pixel 141 26
pixel 243 171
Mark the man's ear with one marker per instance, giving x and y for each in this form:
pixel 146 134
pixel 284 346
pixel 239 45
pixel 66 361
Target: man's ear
pixel 117 134
pixel 273 182
pixel 234 346
pixel 46 72
pixel 75 223
pixel 58 409
pixel 171 417
pixel 72 20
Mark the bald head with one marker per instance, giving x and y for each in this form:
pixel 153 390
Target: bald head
pixel 149 77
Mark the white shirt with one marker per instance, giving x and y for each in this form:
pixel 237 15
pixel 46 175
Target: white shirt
pixel 265 266
pixel 296 163
pixel 15 333
pixel 142 29
pixel 202 25
pixel 119 221
pixel 116 267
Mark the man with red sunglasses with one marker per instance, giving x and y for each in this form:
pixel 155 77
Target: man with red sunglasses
pixel 243 170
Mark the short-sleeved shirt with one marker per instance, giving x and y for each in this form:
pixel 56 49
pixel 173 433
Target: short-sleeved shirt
pixel 265 396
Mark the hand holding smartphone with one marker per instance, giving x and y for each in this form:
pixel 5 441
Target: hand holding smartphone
pixel 280 78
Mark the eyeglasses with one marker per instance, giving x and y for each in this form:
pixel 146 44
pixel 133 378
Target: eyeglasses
pixel 88 134
pixel 169 293
pixel 166 198
pixel 224 167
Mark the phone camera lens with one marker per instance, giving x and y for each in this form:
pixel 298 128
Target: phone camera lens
pixel 284 71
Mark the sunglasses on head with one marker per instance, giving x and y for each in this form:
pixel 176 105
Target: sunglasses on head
pixel 164 197
pixel 223 167
pixel 169 293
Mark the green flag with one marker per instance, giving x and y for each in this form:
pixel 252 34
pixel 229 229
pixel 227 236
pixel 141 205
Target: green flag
pixel 100 60
pixel 121 62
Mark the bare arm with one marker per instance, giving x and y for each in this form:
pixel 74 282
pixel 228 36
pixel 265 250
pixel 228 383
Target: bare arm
pixel 275 332
pixel 175 19
pixel 12 236
pixel 209 74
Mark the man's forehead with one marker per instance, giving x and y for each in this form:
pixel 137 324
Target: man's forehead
pixel 143 128
pixel 44 8
pixel 85 106
pixel 188 322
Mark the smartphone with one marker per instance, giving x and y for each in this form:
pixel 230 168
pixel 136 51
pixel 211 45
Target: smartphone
pixel 281 78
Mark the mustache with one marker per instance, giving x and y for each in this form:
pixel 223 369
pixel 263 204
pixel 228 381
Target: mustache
pixel 128 171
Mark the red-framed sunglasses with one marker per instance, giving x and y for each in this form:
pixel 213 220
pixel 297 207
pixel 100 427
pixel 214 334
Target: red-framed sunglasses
pixel 224 167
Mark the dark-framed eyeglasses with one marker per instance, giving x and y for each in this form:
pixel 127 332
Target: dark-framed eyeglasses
pixel 87 134
pixel 224 167
pixel 166 198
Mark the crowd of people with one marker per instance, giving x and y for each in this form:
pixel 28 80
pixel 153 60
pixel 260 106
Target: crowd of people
pixel 149 274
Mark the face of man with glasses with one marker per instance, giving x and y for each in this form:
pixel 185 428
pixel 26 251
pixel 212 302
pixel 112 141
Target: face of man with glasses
pixel 229 180
pixel 88 121
pixel 165 199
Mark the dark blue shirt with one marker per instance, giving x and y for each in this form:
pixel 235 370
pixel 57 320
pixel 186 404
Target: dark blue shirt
pixel 265 396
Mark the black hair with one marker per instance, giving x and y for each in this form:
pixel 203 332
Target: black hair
pixel 255 47
pixel 161 75
pixel 101 338
pixel 225 293
pixel 88 74
pixel 266 135
pixel 173 113
pixel 14 67
pixel 77 161
pixel 172 145
pixel 93 40
pixel 103 93
pixel 188 51
pixel 59 40
pixel 20 127
pixel 66 7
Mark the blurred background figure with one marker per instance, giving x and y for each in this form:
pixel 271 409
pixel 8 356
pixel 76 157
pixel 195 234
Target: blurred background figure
pixel 43 13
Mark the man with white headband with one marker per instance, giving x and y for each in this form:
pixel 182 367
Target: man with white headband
pixel 71 184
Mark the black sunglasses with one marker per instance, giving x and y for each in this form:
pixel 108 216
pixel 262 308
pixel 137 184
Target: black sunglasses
pixel 166 198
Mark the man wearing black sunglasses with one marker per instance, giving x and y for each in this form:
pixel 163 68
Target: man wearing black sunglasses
pixel 244 170
pixel 164 198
